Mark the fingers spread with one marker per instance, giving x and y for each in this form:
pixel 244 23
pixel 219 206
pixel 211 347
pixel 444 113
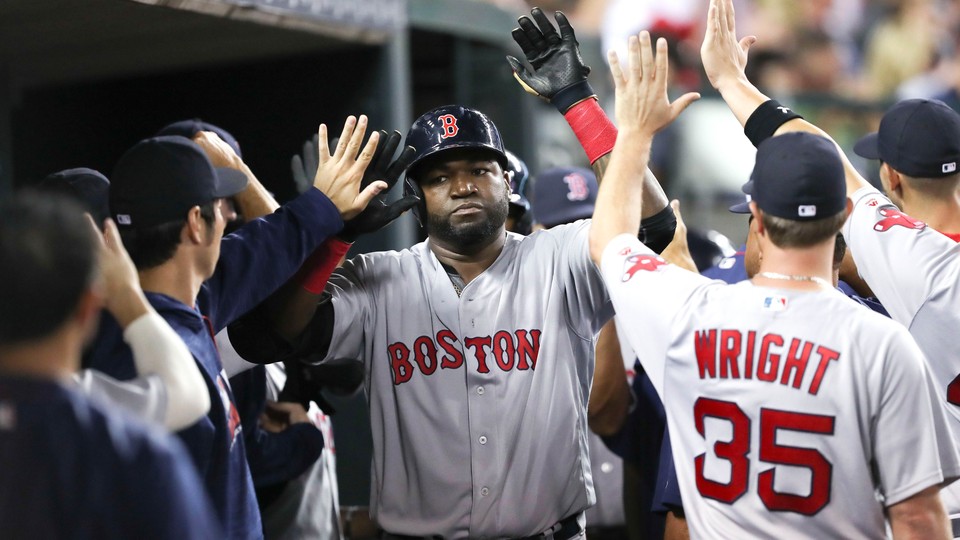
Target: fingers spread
pixel 615 69
pixel 524 42
pixel 356 138
pixel 566 31
pixel 646 55
pixel 322 150
pixel 533 34
pixel 345 135
pixel 662 62
pixel 633 59
pixel 546 27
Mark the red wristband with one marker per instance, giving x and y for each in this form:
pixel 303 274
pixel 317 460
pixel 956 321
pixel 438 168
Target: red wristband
pixel 593 129
pixel 316 270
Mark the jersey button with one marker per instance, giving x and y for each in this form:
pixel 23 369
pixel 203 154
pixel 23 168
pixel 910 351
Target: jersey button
pixel 483 439
pixel 484 491
pixel 480 390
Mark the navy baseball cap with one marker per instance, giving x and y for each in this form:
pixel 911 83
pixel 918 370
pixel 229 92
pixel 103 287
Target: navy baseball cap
pixel 87 186
pixel 798 176
pixel 744 207
pixel 189 128
pixel 160 179
pixel 563 195
pixel 917 137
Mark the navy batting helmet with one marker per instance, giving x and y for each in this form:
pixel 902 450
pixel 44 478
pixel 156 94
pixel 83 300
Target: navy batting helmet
pixel 447 128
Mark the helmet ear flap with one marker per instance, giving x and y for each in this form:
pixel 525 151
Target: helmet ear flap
pixel 411 187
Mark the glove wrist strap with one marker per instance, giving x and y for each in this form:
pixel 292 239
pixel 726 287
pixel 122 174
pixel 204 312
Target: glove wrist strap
pixel 316 270
pixel 593 129
pixel 567 97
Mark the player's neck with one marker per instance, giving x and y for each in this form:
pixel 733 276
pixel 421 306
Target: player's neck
pixel 176 280
pixel 941 214
pixel 814 263
pixel 469 263
pixel 54 357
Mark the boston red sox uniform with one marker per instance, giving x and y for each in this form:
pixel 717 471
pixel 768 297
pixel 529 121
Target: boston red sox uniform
pixel 477 402
pixel 791 412
pixel 915 272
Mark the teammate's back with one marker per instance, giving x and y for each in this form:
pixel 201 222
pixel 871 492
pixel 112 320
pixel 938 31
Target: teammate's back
pixel 72 469
pixel 794 408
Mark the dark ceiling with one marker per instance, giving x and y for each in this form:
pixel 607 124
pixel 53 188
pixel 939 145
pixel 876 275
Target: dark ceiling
pixel 46 42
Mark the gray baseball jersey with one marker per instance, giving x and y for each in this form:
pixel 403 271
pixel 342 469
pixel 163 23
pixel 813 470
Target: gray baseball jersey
pixel 477 402
pixel 792 413
pixel 915 272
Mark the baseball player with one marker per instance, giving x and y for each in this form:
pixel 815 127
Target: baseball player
pixel 519 218
pixel 478 346
pixel 69 466
pixel 911 268
pixel 166 195
pixel 168 389
pixel 782 421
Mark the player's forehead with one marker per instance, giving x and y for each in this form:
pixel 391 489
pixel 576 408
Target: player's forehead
pixel 456 158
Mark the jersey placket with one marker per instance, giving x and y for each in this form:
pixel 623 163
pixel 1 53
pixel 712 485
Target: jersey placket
pixel 482 386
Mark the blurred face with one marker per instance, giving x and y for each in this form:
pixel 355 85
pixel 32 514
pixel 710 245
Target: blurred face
pixel 467 197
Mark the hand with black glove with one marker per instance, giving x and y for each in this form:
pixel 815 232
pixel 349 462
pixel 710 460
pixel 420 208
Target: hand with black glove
pixel 379 213
pixel 559 74
pixel 304 168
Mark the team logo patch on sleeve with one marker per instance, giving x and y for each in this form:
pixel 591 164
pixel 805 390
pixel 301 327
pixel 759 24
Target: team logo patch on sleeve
pixel 638 263
pixel 891 217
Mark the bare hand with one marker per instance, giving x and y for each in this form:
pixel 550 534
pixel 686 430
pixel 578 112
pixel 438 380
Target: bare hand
pixel 124 297
pixel 724 58
pixel 339 175
pixel 678 251
pixel 219 152
pixel 642 103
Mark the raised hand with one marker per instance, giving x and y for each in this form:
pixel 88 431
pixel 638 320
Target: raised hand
pixel 383 167
pixel 642 104
pixel 724 58
pixel 123 296
pixel 559 74
pixel 339 175
pixel 219 152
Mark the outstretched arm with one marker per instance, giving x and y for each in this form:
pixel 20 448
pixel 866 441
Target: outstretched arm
pixel 559 76
pixel 724 61
pixel 642 109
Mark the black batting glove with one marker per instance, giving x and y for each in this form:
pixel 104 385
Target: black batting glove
pixel 378 213
pixel 305 169
pixel 559 74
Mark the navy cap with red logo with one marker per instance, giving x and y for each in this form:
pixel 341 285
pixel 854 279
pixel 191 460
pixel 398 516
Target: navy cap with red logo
pixel 450 127
pixel 563 195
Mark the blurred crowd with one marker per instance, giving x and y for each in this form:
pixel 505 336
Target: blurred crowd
pixel 869 50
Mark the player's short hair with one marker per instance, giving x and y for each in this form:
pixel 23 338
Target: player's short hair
pixel 47 262
pixel 150 247
pixel 945 186
pixel 789 233
pixel 839 251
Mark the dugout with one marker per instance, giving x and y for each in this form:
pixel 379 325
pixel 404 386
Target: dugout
pixel 82 80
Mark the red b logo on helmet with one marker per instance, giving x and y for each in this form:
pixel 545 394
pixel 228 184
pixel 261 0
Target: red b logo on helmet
pixel 449 124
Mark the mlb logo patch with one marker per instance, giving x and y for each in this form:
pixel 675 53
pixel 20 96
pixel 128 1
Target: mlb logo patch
pixel 807 210
pixel 949 167
pixel 775 303
pixel 124 219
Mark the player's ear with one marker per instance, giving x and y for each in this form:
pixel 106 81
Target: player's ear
pixel 849 207
pixel 893 178
pixel 756 223
pixel 194 226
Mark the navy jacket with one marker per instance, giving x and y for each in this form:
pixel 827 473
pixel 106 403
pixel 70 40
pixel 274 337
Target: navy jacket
pixel 72 469
pixel 254 261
